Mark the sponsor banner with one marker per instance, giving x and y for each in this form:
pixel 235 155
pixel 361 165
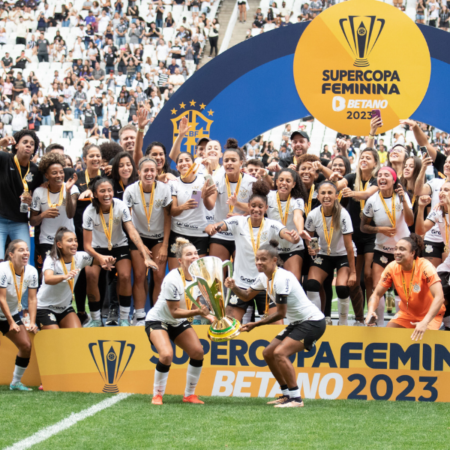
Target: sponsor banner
pixel 8 353
pixel 347 363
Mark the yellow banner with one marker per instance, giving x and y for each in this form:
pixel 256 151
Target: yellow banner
pixel 347 363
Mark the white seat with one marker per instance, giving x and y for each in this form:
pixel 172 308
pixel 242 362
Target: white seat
pixel 44 67
pixel 46 129
pixel 57 131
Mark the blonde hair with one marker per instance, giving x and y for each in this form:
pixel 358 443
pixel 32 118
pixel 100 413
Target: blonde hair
pixel 180 245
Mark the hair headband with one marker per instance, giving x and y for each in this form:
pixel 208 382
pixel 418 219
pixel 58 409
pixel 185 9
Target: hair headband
pixel 392 171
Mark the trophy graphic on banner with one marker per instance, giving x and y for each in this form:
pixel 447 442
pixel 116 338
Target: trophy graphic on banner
pixel 363 37
pixel 208 272
pixel 112 361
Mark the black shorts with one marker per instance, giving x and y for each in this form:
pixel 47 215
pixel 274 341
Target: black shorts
pixel 229 245
pixel 117 252
pixel 201 243
pixel 45 317
pixel 260 301
pixel 309 332
pixel 149 243
pixel 363 247
pixel 329 263
pixel 88 126
pixel 172 331
pixel 433 249
pixel 4 325
pixel 382 259
pixel 285 256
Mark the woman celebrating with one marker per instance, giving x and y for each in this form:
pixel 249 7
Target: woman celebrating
pixel 61 270
pixel 104 222
pixel 397 158
pixel 306 321
pixel 16 276
pixel 286 205
pixel 53 207
pixel 167 322
pixel 149 201
pixel 249 233
pixel 333 226
pixel 390 209
pixel 233 192
pixel 192 199
pixel 411 173
pixel 418 285
pixel 123 173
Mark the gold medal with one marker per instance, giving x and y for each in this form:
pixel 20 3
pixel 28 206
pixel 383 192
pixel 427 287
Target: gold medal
pixel 284 217
pixel 258 238
pixel 24 178
pixel 72 267
pixel 18 290
pixel 328 236
pixel 186 298
pixel 227 182
pixel 269 289
pixel 108 231
pixel 193 169
pixel 60 200
pixel 148 213
pixel 409 291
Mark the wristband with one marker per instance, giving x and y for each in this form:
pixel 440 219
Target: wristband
pixel 141 130
pixel 372 136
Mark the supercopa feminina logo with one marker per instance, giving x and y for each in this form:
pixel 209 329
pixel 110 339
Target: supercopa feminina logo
pixel 111 359
pixel 361 34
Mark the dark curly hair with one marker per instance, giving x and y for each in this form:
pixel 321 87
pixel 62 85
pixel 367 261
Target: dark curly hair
pixel 260 189
pixel 417 245
pixel 299 190
pixel 49 159
pixel 21 134
pixel 110 150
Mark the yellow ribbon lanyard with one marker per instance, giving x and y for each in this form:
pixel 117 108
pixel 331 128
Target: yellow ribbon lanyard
pixel 24 181
pixel 391 216
pixel 18 290
pixel 340 197
pixel 447 226
pixel 269 289
pixel 72 267
pixel 408 292
pixel 60 200
pixel 186 298
pixel 148 213
pixel 284 217
pixel 88 180
pixel 295 160
pixel 227 181
pixel 192 169
pixel 108 231
pixel 308 206
pixel 442 175
pixel 328 237
pixel 252 238
pixel 121 184
pixel 362 188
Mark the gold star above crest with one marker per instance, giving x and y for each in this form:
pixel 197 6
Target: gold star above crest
pixel 192 103
pixel 202 106
pixel 173 111
pixel 210 112
pixel 182 105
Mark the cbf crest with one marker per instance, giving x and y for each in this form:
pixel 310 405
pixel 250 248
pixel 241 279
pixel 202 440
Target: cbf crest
pixel 111 359
pixel 200 125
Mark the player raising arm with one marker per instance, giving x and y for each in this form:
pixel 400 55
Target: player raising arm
pixel 418 285
pixel 306 321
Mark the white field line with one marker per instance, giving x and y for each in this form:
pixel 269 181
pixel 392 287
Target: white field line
pixel 64 424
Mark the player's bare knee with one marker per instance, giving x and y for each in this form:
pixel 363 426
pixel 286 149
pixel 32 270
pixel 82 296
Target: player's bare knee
pixel 197 353
pixel 268 353
pixel 25 349
pixel 165 357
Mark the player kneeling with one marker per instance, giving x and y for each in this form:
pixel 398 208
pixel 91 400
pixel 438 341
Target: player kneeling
pixel 306 321
pixel 169 320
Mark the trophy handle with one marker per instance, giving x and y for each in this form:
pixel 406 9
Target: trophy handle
pixel 229 265
pixel 188 290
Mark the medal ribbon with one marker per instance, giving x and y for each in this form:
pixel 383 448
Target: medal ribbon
pixel 442 175
pixel 231 207
pixel 18 290
pixel 328 237
pixel 269 289
pixel 392 217
pixel 186 298
pixel 362 188
pixel 108 231
pixel 258 239
pixel 148 213
pixel 121 184
pixel 340 197
pixel 24 181
pixel 408 292
pixel 308 206
pixel 192 169
pixel 60 200
pixel 280 209
pixel 72 267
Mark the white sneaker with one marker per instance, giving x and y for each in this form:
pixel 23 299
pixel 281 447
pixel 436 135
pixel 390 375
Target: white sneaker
pixel 135 322
pixel 357 323
pixel 328 321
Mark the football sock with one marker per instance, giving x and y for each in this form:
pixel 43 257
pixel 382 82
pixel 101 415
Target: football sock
pixel 94 308
pixel 315 299
pixel 140 313
pixel 294 392
pixel 19 369
pixel 284 389
pixel 161 375
pixel 192 376
pixel 343 305
pixel 95 315
pixel 125 304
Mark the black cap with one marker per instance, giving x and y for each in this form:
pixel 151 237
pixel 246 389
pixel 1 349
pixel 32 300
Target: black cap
pixel 303 134
pixel 202 140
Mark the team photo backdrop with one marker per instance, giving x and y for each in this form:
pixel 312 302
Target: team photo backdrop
pixel 357 56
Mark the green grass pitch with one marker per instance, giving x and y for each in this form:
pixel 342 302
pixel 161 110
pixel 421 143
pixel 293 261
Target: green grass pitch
pixel 223 423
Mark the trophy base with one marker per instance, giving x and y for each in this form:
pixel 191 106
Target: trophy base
pixel 110 389
pixel 224 329
pixel 361 63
